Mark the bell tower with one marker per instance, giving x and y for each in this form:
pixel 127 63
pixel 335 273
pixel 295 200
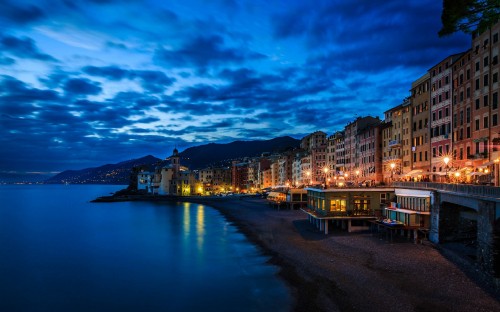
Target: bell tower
pixel 175 161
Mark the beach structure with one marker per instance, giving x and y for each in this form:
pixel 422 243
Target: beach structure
pixel 349 208
pixel 289 198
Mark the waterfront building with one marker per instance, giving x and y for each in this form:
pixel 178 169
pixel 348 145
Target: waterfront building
pixel 239 176
pixel 339 153
pixel 411 209
pixel 274 173
pixel 298 175
pixel 486 127
pixel 463 159
pixel 215 180
pixel 267 178
pixel 441 114
pixel 145 181
pixel 369 171
pixel 406 122
pixel 352 146
pixel 315 144
pixel 391 144
pixel 348 208
pixel 285 163
pixel 176 179
pixel 420 139
pixel 331 160
pixel 264 164
pixel 306 168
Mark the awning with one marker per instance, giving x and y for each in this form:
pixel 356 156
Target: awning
pixel 414 195
pixel 437 173
pixel 414 172
pixel 477 174
pixel 408 211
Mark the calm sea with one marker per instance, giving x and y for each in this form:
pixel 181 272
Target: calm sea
pixel 59 252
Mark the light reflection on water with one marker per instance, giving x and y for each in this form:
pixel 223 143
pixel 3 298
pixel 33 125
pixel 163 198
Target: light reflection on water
pixel 62 253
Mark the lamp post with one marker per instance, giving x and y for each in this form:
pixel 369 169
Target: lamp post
pixel 308 174
pixel 446 160
pixel 325 169
pixel 392 170
pixel 357 177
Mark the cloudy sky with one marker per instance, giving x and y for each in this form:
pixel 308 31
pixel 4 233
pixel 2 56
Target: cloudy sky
pixel 85 83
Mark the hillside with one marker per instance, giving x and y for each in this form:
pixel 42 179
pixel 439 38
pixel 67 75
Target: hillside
pixel 199 157
pixel 108 174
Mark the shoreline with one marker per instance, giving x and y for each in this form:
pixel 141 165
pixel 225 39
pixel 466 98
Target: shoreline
pixel 352 271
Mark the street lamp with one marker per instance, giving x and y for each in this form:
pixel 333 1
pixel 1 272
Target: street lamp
pixel 357 176
pixel 392 170
pixel 446 160
pixel 325 169
pixel 308 173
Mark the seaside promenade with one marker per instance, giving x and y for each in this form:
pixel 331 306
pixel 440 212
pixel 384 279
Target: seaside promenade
pixel 354 271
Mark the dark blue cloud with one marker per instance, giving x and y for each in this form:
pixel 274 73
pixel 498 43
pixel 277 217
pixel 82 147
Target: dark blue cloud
pixel 204 51
pixel 81 86
pixel 153 81
pixel 23 48
pixel 109 72
pixel 14 12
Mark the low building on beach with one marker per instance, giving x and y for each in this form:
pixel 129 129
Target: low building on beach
pixel 349 208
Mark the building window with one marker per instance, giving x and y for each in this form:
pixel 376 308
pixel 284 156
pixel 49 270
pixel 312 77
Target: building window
pixel 477 84
pixel 485 62
pixel 468 132
pixel 485 80
pixel 485 122
pixel 467 115
pixel 485 101
pixel 477 103
pixel 337 205
pixel 361 207
pixel 494 120
pixel 495 77
pixel 494 101
pixel 477 124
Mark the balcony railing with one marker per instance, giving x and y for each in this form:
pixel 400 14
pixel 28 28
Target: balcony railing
pixel 394 143
pixel 466 189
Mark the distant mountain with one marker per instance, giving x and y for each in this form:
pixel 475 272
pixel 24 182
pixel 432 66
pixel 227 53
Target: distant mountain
pixel 108 174
pixel 202 156
pixel 197 157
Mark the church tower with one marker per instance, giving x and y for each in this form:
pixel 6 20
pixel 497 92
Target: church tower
pixel 175 161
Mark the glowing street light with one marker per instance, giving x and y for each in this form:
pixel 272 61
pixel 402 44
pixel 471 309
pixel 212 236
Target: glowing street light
pixel 446 160
pixel 325 169
pixel 393 165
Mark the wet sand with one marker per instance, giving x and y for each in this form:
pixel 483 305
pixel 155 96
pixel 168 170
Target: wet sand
pixel 357 271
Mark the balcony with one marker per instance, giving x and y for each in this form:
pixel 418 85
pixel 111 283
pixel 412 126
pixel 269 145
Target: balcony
pixel 394 143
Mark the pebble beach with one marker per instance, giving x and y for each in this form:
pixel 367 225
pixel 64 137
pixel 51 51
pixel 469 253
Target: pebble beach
pixel 359 271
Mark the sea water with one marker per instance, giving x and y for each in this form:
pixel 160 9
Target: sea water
pixel 59 252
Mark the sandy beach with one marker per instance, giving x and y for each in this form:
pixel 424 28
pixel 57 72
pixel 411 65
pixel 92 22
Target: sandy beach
pixel 357 271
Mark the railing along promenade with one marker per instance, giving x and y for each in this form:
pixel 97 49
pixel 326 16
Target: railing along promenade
pixel 465 189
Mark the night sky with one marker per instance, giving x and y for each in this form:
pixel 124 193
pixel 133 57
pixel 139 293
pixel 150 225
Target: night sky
pixel 85 83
